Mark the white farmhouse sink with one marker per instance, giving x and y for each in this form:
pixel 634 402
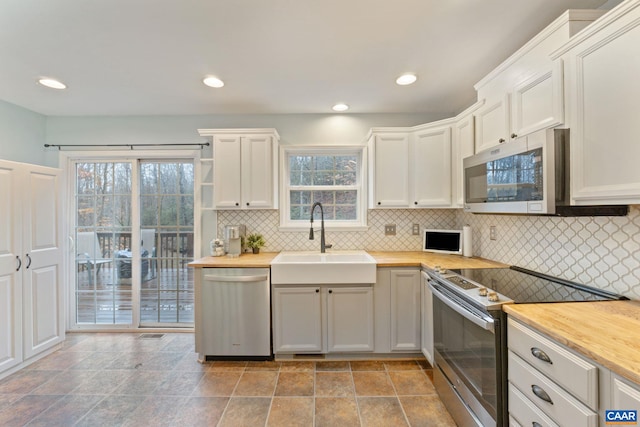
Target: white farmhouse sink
pixel 336 267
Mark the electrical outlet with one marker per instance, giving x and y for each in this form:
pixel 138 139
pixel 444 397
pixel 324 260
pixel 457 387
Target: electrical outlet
pixel 492 232
pixel 390 230
pixel 415 229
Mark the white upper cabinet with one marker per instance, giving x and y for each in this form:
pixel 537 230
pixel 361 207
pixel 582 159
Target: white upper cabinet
pixel 601 70
pixel 431 157
pixel 493 123
pixel 463 145
pixel 245 168
pixel 525 93
pixel 410 167
pixel 389 170
pixel 538 102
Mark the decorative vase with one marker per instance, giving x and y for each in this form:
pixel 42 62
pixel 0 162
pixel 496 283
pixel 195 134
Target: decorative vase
pixel 256 250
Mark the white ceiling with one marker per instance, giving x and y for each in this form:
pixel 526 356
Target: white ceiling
pixel 148 57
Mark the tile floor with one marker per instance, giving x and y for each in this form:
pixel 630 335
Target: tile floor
pixel 123 380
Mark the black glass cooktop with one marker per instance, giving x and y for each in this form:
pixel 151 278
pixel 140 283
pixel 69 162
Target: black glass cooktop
pixel 524 286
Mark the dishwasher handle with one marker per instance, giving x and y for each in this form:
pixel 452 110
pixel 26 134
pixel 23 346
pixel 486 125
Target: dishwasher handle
pixel 224 278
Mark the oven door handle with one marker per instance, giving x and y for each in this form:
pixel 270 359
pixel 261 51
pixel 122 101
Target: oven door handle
pixel 486 324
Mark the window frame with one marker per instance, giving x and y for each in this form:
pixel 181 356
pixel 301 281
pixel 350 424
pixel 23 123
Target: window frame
pixel 287 224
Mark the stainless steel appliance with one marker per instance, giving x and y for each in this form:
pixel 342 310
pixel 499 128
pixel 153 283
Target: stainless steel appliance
pixel 470 338
pixel 529 175
pixel 236 314
pixel 233 235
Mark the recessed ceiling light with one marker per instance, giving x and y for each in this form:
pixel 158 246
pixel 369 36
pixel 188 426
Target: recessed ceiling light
pixel 213 82
pixel 52 83
pixel 406 79
pixel 340 107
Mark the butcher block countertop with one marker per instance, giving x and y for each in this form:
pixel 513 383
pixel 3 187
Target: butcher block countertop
pixel 383 259
pixel 261 260
pixel 607 332
pixel 430 260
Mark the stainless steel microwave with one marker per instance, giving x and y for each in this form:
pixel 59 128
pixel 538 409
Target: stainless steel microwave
pixel 529 175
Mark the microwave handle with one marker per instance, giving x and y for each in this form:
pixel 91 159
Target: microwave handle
pixel 484 324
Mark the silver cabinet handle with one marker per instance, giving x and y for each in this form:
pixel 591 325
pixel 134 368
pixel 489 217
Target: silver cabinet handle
pixel 539 391
pixel 19 263
pixel 535 424
pixel 29 263
pixel 541 355
pixel 221 278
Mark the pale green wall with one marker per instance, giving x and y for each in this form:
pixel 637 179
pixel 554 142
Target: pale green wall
pixel 22 135
pixel 293 128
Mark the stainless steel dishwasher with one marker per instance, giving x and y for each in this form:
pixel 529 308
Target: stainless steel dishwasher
pixel 235 314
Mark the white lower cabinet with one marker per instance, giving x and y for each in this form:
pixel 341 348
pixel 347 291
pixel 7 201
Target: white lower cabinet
pixel 427 319
pixel 552 385
pixel 398 306
pixel 297 322
pixel 321 319
pixel 350 319
pixel 625 395
pixel 31 279
pixel 405 310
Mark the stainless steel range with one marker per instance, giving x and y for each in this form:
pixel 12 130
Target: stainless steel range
pixel 470 336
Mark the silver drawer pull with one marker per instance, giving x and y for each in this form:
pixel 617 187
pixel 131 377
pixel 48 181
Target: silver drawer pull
pixel 539 391
pixel 535 424
pixel 541 355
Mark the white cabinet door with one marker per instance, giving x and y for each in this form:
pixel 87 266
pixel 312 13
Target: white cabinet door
pixel 427 320
pixel 602 72
pixel 350 319
pixel 463 146
pixel 43 291
pixel 492 124
pixel 10 268
pixel 405 310
pixel 624 394
pixel 538 102
pixel 297 323
pixel 390 171
pixel 257 172
pixel 227 172
pixel 431 158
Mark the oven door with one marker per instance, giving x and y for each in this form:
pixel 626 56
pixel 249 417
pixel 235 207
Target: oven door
pixel 466 353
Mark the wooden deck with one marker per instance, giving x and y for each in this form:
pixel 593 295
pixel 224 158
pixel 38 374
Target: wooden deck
pixel 166 296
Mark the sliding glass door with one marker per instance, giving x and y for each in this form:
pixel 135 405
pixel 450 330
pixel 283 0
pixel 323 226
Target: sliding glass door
pixel 133 233
pixel 166 220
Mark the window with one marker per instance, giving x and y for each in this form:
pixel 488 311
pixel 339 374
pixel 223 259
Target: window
pixel 329 175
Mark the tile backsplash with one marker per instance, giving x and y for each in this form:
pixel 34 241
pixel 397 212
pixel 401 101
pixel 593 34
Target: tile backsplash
pixel 267 223
pixel 599 251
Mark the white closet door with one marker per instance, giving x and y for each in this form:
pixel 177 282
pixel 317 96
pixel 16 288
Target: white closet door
pixel 10 268
pixel 42 261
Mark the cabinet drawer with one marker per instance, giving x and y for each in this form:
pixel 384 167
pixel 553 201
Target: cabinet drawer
pixel 564 409
pixel 571 371
pixel 524 412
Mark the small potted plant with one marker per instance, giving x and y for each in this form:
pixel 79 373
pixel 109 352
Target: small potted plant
pixel 255 241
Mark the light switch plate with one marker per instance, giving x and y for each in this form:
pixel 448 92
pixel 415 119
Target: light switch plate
pixel 492 232
pixel 390 230
pixel 415 229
